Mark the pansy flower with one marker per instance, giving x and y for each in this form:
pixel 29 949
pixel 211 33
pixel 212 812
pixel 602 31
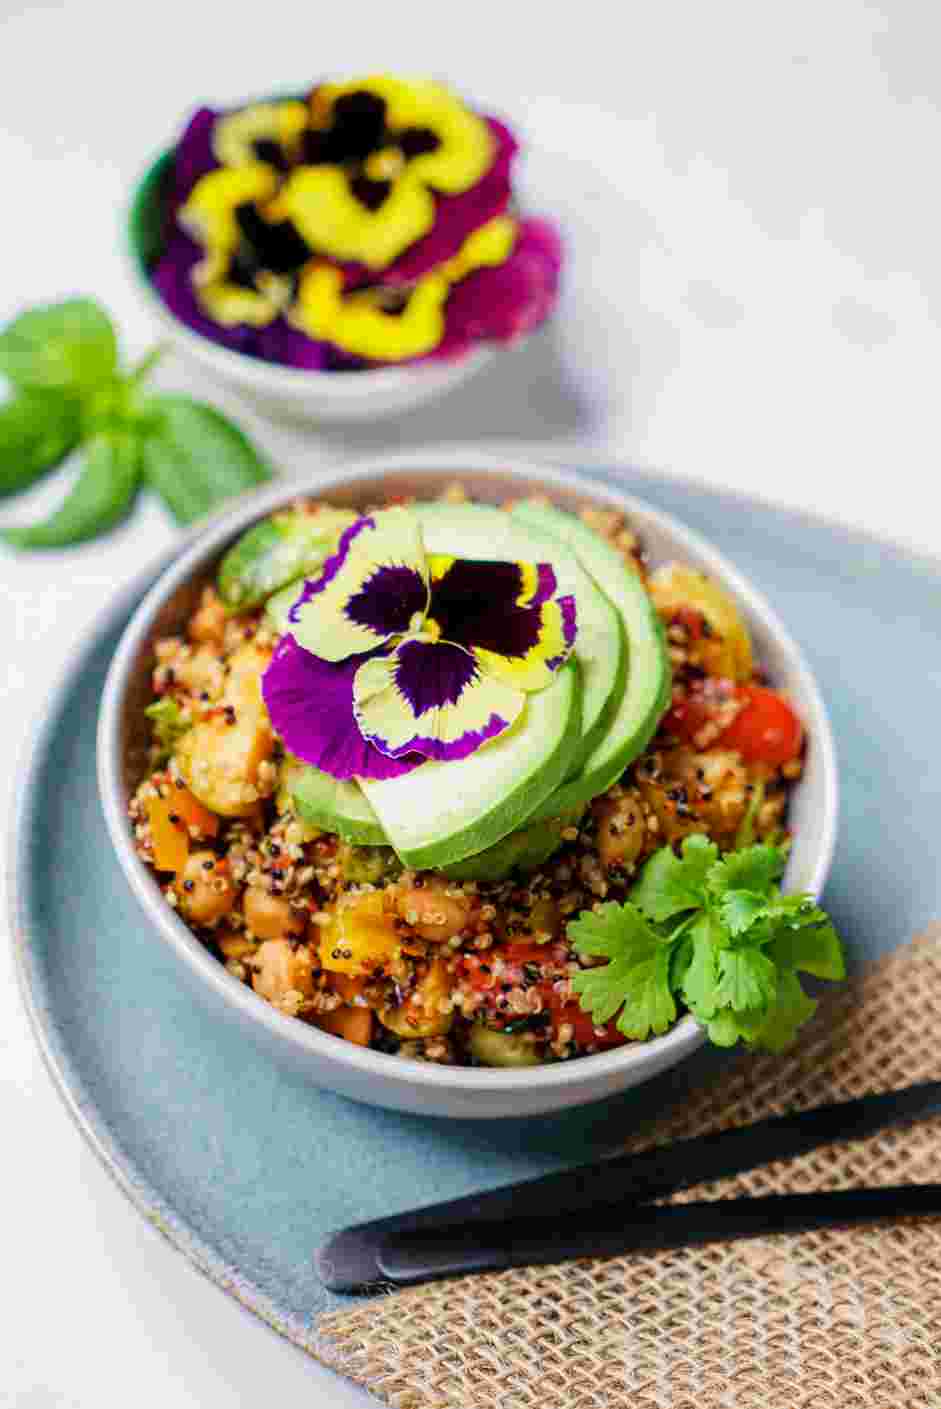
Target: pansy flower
pixel 375 153
pixel 263 132
pixel 337 232
pixel 392 324
pixel 396 656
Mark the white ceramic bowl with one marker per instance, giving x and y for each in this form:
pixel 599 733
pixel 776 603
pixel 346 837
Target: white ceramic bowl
pixel 328 1061
pixel 287 393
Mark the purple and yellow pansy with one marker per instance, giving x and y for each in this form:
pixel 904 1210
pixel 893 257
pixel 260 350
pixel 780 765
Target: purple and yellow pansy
pixel 395 656
pixel 366 225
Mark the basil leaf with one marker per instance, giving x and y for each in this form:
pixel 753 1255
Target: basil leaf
pixel 194 458
pixel 68 346
pixel 100 497
pixel 37 430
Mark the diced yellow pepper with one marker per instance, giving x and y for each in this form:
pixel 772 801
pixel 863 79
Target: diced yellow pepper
pixel 674 585
pixel 171 847
pixel 360 936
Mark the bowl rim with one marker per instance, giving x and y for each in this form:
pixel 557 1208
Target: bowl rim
pixel 272 376
pixel 433 463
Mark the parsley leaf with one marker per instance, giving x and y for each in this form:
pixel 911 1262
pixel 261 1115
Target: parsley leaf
pixel 635 983
pixel 718 933
pixel 812 945
pixel 790 1010
pixel 702 976
pixel 671 884
pixel 740 909
pixel 747 979
pixel 755 868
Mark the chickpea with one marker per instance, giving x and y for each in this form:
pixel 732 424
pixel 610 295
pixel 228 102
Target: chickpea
pixel 206 890
pixel 436 911
pixel 281 970
pixel 621 829
pixel 271 916
pixel 208 622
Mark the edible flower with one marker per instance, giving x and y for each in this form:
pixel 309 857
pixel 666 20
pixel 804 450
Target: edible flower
pixel 386 323
pixel 377 150
pixel 344 230
pixel 396 656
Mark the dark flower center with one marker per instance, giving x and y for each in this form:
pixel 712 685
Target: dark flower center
pixel 358 129
pixel 277 247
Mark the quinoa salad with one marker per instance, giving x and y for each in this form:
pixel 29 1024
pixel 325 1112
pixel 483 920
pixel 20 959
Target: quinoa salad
pixel 292 826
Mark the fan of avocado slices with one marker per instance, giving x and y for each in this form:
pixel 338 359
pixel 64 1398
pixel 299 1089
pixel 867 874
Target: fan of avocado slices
pixel 505 807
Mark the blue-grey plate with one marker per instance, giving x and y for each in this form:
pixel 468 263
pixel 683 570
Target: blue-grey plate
pixel 245 1168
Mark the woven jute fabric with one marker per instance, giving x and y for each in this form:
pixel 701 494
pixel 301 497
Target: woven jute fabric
pixel 832 1319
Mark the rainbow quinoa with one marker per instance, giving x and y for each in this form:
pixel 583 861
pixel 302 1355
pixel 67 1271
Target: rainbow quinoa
pixel 399 756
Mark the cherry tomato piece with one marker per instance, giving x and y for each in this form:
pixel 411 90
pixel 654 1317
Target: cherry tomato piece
pixel 766 730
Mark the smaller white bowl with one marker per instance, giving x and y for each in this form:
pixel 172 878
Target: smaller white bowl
pixel 399 1082
pixel 285 393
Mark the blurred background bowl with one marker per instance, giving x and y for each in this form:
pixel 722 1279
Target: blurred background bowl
pixel 284 393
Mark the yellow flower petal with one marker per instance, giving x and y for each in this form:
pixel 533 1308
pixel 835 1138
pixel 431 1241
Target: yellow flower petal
pixel 235 134
pixel 321 203
pixel 374 587
pixel 229 304
pixel 359 324
pixel 489 245
pixel 208 215
pixel 432 699
pixel 466 145
pixel 531 671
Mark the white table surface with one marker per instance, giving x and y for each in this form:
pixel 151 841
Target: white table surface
pixel 750 192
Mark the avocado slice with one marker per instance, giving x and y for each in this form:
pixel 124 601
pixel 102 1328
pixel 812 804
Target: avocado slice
pixel 279 550
pixel 278 606
pixel 481 532
pixel 520 851
pixel 442 813
pixel 646 693
pixel 334 805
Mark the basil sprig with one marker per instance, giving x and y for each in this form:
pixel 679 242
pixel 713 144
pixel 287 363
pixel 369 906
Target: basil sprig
pixel 69 392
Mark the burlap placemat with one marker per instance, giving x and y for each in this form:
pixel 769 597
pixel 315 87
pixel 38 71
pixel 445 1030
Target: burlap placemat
pixel 832 1319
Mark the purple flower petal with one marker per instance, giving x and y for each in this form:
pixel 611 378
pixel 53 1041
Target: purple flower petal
pixel 458 216
pixel 279 342
pixel 194 155
pixel 507 301
pixel 171 277
pixel 310 704
pixel 431 698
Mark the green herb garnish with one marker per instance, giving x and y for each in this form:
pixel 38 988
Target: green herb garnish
pixel 169 724
pixel 69 392
pixel 716 933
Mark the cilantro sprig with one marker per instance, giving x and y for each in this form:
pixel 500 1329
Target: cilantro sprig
pixel 715 932
pixel 69 392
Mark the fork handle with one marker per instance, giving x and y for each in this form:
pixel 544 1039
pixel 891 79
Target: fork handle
pixel 421 1256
